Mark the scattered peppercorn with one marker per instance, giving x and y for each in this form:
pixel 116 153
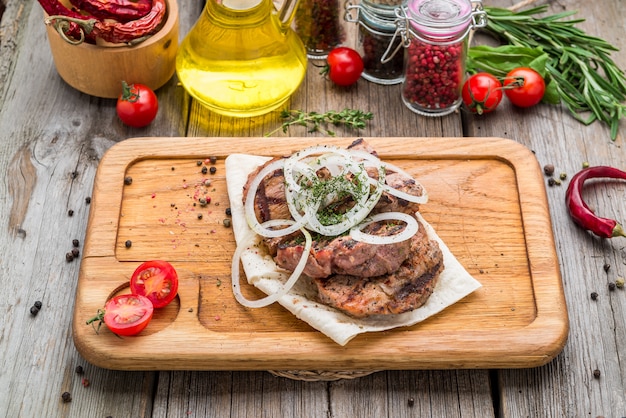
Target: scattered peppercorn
pixel 207 182
pixel 199 163
pixel 548 169
pixel 551 182
pixel 38 304
pixel 212 159
pixel 619 282
pixel 594 295
pixel 74 174
pixel 34 310
pixel 66 397
pixel 607 267
pixel 85 381
pixel 226 222
pixel 202 201
pixel 199 216
pixel 596 373
pixel 75 243
pixel 212 170
pixel 69 257
pixel 79 369
pixel 173 168
pixel 70 212
pixel 204 169
pixel 411 401
pixel 128 180
pixel 611 286
pixel 128 243
pixel 585 164
pixel 88 200
pixel 75 252
pixel 228 212
pixel 563 176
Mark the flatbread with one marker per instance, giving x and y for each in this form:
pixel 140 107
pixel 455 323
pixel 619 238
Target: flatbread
pixel 454 283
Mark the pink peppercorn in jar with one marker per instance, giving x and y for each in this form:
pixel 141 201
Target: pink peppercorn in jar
pixel 434 33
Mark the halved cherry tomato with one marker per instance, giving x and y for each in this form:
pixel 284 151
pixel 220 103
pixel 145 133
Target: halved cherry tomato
pixel 137 106
pixel 126 314
pixel 524 87
pixel 157 280
pixel 344 66
pixel 482 93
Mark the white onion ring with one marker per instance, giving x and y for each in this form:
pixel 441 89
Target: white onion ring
pixel 411 229
pixel 249 206
pixel 285 287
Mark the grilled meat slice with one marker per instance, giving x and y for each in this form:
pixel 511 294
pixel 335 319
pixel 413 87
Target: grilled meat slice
pixel 402 290
pixel 269 200
pixel 343 255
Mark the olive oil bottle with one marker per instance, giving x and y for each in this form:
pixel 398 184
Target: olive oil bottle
pixel 241 58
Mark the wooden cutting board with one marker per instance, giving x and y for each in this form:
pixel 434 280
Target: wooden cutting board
pixel 487 202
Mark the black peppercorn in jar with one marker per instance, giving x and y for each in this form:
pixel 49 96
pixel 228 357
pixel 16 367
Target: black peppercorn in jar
pixel 436 48
pixel 376 37
pixel 319 25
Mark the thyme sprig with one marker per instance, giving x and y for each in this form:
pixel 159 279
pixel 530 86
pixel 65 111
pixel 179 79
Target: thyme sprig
pixel 319 122
pixel 589 82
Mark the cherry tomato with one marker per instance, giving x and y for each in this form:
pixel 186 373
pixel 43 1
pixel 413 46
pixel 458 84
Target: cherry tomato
pixel 157 280
pixel 127 314
pixel 137 106
pixel 524 87
pixel 482 93
pixel 344 66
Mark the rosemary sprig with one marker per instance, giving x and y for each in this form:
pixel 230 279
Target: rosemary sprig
pixel 589 82
pixel 319 122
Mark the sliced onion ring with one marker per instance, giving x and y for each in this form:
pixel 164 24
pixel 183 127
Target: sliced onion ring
pixel 285 287
pixel 411 229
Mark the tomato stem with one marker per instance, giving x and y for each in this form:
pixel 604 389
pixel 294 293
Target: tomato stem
pixel 98 317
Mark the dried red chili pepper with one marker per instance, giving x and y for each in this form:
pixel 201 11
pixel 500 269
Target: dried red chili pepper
pixel 581 213
pixel 133 31
pixel 120 10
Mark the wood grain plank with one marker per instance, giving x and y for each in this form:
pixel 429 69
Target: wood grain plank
pixel 566 386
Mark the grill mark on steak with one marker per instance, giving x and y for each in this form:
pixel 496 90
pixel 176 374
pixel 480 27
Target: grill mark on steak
pixel 401 291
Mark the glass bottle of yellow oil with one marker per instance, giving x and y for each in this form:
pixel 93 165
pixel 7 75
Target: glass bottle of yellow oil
pixel 242 58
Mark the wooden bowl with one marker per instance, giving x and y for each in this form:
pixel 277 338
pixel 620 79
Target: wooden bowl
pixel 99 70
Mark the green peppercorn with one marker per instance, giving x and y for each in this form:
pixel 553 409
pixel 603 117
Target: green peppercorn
pixel 226 222
pixel 563 176
pixel 619 282
pixel 585 164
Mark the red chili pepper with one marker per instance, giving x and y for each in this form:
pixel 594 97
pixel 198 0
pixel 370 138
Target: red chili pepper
pixel 133 31
pixel 581 213
pixel 120 10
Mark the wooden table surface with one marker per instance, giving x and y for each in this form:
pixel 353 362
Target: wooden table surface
pixel 53 137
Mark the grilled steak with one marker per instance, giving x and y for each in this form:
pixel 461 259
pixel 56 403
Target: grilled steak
pixel 343 255
pixel 400 291
pixel 354 277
